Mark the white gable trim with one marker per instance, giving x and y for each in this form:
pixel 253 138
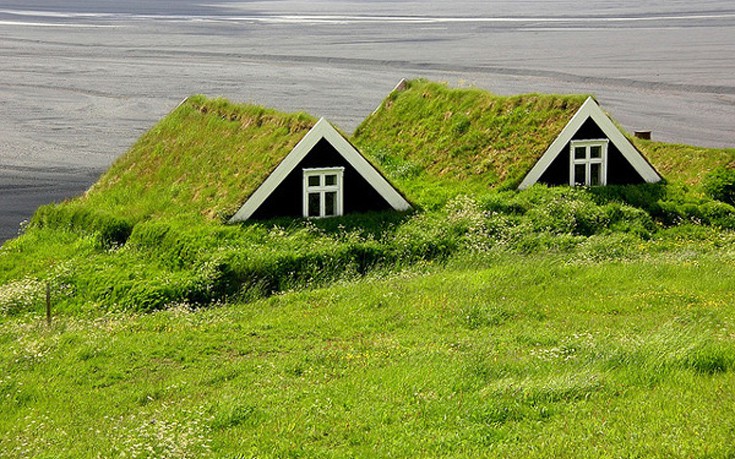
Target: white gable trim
pixel 322 130
pixel 590 109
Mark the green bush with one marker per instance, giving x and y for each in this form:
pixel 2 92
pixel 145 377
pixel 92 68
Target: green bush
pixel 720 185
pixel 110 229
pixel 710 357
pixel 644 196
pixel 571 214
pixel 712 213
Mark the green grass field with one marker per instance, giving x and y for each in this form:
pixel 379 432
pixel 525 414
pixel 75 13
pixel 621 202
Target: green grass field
pixel 487 322
pixel 509 356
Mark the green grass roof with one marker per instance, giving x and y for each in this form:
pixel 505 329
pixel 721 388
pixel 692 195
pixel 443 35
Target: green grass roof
pixel 205 158
pixel 473 140
pixel 685 164
pixel 209 155
pixel 467 136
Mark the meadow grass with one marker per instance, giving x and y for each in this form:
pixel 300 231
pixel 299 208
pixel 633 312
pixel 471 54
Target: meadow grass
pixel 509 356
pixel 171 260
pixel 429 138
pixel 489 322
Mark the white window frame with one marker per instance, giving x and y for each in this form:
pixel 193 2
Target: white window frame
pixel 588 161
pixel 323 189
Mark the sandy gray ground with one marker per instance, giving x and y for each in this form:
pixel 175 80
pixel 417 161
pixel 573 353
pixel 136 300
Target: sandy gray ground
pixel 80 82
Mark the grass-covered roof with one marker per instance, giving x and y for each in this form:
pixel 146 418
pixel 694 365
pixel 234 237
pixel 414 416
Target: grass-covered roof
pixel 465 135
pixel 206 157
pixel 685 164
pixel 470 139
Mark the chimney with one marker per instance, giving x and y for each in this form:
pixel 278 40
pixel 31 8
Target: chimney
pixel 645 135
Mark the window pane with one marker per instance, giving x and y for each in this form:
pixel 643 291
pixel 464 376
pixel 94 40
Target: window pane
pixel 330 203
pixel 314 180
pixel 330 180
pixel 579 174
pixel 595 151
pixel 595 174
pixel 314 205
pixel 580 152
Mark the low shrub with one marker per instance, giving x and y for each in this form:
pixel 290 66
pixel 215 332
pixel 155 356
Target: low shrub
pixel 165 261
pixel 109 229
pixel 644 196
pixel 711 213
pixel 720 185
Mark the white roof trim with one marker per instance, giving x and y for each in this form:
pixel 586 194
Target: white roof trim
pixel 321 130
pixel 590 109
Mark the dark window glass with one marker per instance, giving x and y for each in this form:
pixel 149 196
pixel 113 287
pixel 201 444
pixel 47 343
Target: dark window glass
pixel 580 152
pixel 330 180
pixel 330 203
pixel 595 151
pixel 579 174
pixel 314 205
pixel 595 174
pixel 313 180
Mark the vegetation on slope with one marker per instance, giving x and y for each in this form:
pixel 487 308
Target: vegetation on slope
pixel 205 158
pixel 167 261
pixel 527 356
pixel 686 164
pixel 468 138
pixel 430 137
pixel 595 322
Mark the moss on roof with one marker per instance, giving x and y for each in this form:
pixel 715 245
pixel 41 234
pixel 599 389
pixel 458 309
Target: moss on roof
pixel 472 140
pixel 685 163
pixel 466 136
pixel 206 157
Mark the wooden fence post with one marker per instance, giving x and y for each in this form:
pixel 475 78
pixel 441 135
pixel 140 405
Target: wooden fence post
pixel 48 303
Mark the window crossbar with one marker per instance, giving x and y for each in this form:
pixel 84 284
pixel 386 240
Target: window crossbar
pixel 323 192
pixel 588 162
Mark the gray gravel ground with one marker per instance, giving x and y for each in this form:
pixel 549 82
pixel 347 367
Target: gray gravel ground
pixel 79 82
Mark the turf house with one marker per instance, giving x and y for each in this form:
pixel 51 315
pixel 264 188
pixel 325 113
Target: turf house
pixel 591 151
pixel 323 176
pixel 482 140
pixel 232 163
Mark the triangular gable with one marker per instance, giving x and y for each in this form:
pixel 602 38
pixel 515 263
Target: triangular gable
pixel 322 130
pixel 591 110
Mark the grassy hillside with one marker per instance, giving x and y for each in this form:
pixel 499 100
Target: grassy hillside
pixel 472 140
pixel 549 322
pixel 540 356
pixel 205 158
pixel 468 138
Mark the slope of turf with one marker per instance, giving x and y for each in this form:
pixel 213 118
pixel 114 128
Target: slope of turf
pixel 686 164
pixel 541 356
pixel 469 139
pixel 205 158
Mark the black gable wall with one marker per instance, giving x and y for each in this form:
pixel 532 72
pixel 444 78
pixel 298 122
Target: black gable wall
pixel 287 199
pixel 619 170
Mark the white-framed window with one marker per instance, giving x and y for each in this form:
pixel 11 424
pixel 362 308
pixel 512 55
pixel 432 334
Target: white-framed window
pixel 323 192
pixel 588 162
